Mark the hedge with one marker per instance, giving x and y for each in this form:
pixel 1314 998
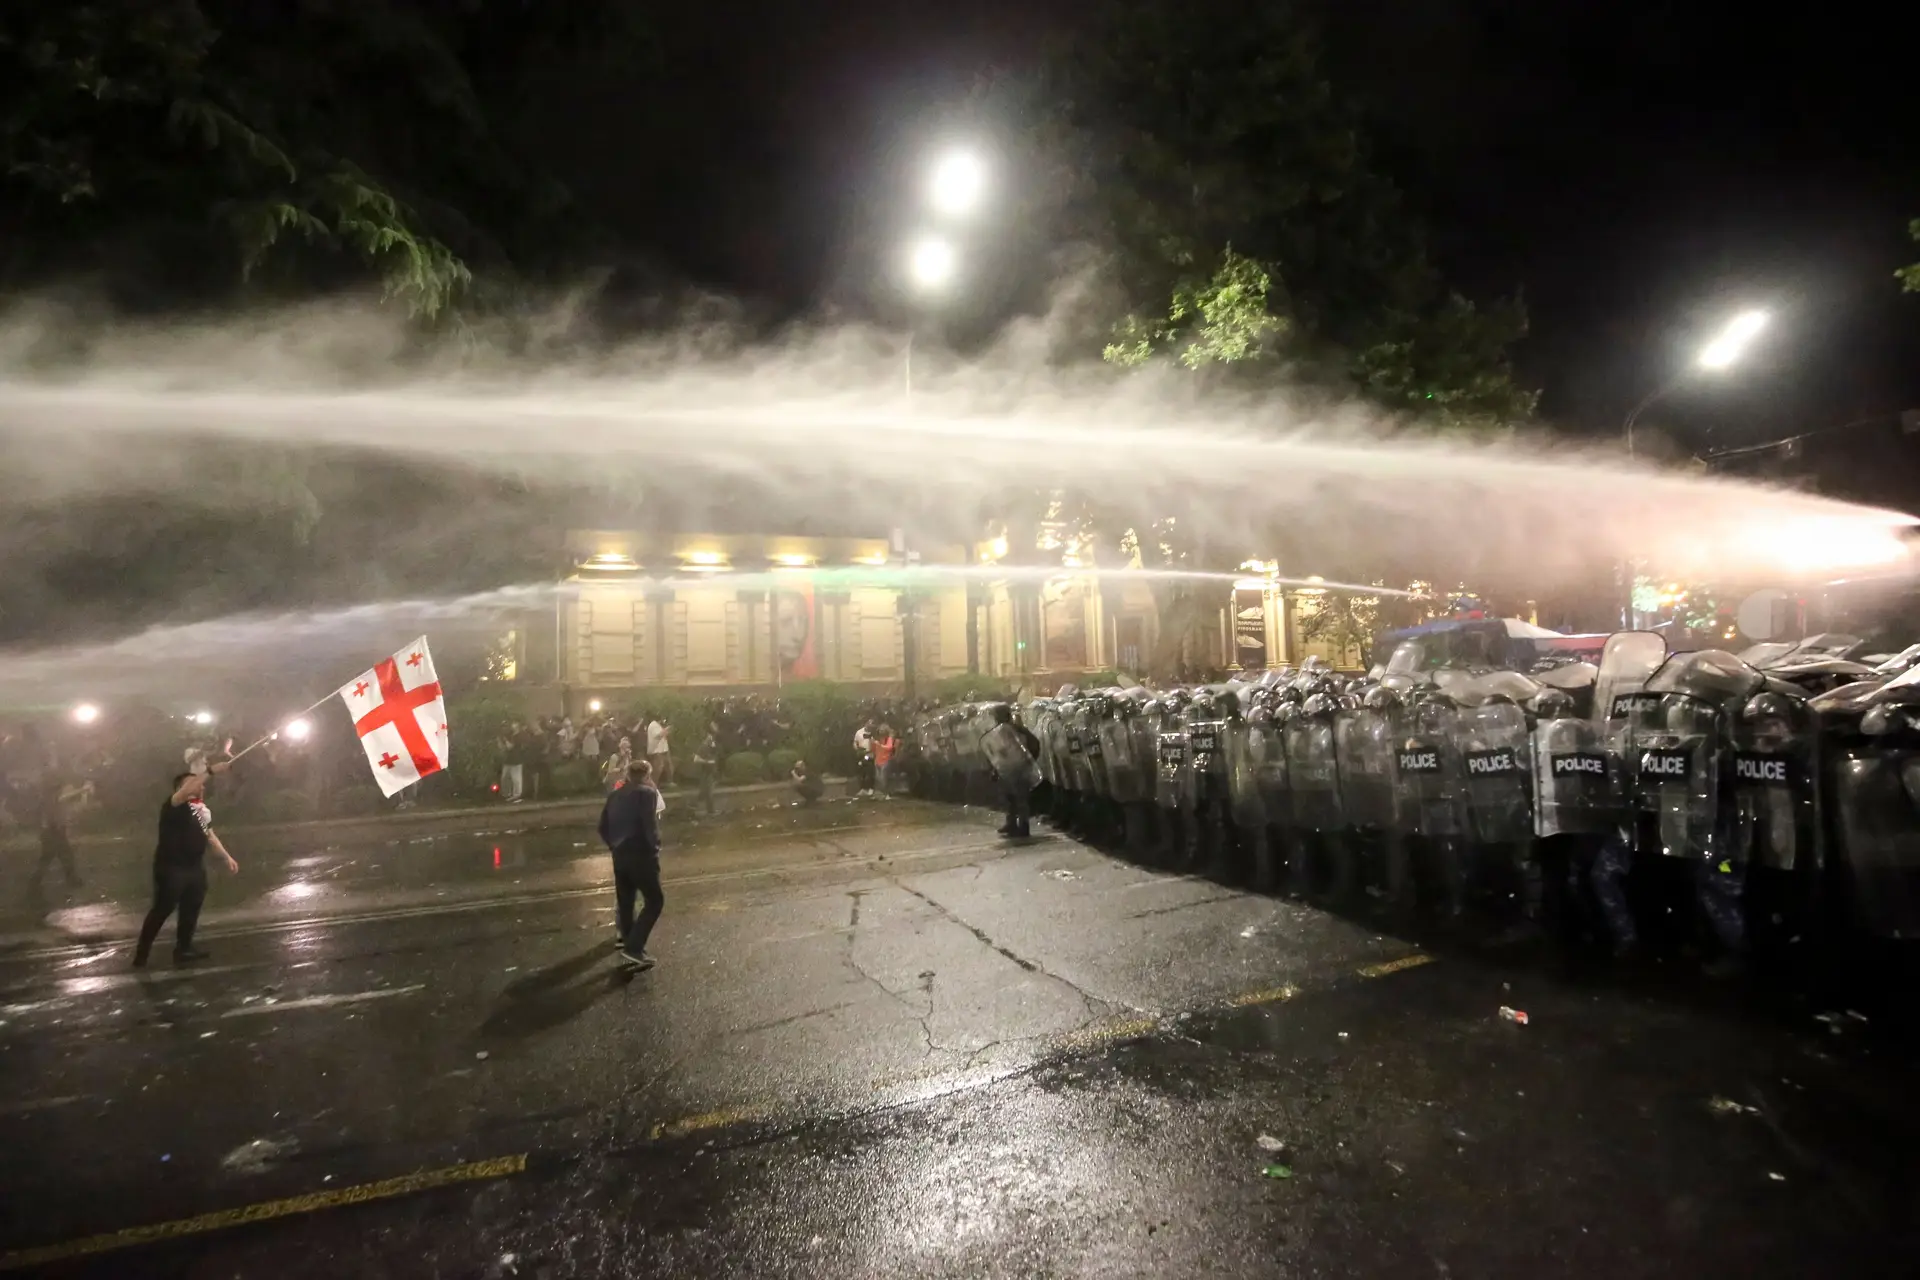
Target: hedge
pixel 780 763
pixel 743 768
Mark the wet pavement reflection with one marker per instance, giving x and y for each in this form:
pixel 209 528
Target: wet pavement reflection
pixel 882 1041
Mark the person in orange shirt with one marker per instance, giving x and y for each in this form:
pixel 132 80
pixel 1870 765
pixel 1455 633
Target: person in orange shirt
pixel 885 746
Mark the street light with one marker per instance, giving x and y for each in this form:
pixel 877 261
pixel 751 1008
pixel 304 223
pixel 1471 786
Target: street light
pixel 1722 352
pixel 86 713
pixel 203 717
pixel 931 264
pixel 1733 340
pixel 957 182
pixel 299 729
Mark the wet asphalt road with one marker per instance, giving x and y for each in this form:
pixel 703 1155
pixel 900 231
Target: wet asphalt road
pixel 882 1042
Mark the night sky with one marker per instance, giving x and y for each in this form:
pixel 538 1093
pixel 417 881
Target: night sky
pixel 1635 170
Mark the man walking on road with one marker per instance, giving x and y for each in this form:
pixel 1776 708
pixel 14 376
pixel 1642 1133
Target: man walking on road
pixel 630 826
pixel 179 866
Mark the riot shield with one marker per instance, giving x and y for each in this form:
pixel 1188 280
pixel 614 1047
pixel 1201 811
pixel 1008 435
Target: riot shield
pixel 1008 757
pixel 1876 827
pixel 1626 664
pixel 1039 719
pixel 1679 748
pixel 1576 780
pixel 1495 744
pixel 1173 789
pixel 1125 781
pixel 1244 795
pixel 1773 820
pixel 1313 773
pixel 1363 747
pixel 1428 772
pixel 1267 750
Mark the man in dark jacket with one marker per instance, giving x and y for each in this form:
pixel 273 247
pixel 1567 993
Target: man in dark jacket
pixel 630 826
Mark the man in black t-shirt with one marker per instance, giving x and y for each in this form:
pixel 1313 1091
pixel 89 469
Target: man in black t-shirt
pixel 179 869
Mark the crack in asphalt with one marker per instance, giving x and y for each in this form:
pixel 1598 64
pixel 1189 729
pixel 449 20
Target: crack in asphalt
pixel 1097 1006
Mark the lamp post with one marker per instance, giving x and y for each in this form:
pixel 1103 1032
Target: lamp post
pixel 1722 352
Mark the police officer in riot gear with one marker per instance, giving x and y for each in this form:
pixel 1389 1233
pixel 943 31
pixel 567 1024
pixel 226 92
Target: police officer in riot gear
pixel 1580 827
pixel 1009 750
pixel 1313 780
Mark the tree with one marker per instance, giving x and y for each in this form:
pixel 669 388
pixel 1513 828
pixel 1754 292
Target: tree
pixel 310 138
pixel 1203 146
pixel 1909 277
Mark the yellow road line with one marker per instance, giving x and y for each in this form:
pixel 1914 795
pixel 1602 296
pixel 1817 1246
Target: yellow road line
pixel 1413 961
pixel 425 1180
pixel 706 1120
pixel 1105 1032
pixel 1271 995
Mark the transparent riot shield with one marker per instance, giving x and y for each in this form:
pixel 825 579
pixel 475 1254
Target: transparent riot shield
pixel 1495 750
pixel 1428 772
pixel 1773 822
pixel 1680 748
pixel 1039 720
pixel 1267 749
pixel 1125 781
pixel 1008 758
pixel 1875 787
pixel 1626 664
pixel 1244 795
pixel 1363 746
pixel 1871 748
pixel 1576 779
pixel 1313 773
pixel 1206 748
pixel 1174 786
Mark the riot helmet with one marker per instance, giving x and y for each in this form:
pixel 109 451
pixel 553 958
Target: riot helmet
pixel 1381 698
pixel 1551 704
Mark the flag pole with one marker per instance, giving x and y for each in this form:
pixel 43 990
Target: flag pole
pixel 276 733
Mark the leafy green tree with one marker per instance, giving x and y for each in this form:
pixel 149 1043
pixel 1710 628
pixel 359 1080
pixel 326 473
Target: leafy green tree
pixel 1203 145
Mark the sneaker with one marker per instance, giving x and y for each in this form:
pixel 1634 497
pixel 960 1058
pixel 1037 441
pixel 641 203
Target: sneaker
pixel 187 955
pixel 641 961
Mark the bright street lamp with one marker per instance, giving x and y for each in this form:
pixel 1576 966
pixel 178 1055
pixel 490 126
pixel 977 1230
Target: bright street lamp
pixel 957 182
pixel 1722 352
pixel 1732 340
pixel 931 264
pixel 299 729
pixel 203 717
pixel 85 713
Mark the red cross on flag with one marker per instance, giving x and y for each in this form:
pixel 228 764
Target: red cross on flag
pixel 400 716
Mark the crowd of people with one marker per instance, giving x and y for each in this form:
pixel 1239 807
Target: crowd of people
pixel 607 744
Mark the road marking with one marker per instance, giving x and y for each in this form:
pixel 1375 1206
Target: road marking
pixel 542 896
pixel 322 1002
pixel 706 1120
pixel 1413 961
pixel 1105 1033
pixel 425 1180
pixel 1272 995
pixel 37 1104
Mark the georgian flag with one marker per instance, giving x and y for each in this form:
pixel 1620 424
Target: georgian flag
pixel 401 718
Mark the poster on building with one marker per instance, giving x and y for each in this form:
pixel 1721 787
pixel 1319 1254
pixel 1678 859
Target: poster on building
pixel 1063 603
pixel 1250 628
pixel 793 632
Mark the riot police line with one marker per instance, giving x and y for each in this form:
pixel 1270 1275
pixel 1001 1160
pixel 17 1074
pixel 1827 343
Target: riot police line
pixel 1757 805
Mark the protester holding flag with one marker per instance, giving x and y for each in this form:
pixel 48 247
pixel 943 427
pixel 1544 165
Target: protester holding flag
pixel 179 865
pixel 630 827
